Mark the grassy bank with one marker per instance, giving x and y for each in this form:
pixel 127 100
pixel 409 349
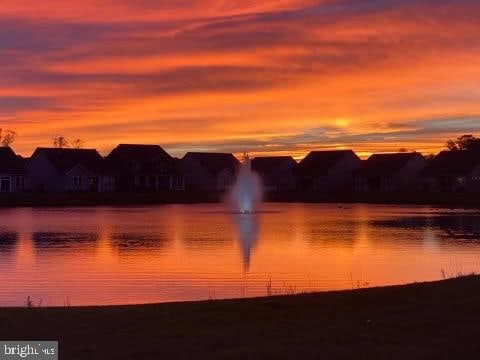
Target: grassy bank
pixel 419 321
pixel 185 197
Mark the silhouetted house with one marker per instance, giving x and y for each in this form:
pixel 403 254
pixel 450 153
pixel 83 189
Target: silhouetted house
pixel 327 170
pixel 452 171
pixel 389 172
pixel 69 170
pixel 277 172
pixel 178 178
pixel 13 176
pixel 145 168
pixel 209 171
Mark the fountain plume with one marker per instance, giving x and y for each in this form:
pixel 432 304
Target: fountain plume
pixel 246 194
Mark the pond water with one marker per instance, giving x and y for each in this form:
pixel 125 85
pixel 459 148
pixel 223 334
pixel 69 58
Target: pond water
pixel 128 255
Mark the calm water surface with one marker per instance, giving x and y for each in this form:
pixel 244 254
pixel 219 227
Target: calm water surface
pixel 125 255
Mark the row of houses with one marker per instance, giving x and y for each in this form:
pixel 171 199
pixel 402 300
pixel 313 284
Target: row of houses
pixel 344 171
pixel 149 168
pixel 128 168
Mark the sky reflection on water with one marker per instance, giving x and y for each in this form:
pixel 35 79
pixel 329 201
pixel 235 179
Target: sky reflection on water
pixel 109 255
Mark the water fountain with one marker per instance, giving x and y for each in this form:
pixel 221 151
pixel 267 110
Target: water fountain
pixel 246 194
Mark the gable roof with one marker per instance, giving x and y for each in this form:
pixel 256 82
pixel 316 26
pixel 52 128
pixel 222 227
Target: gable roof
pixel 139 152
pixel 266 165
pixel 10 163
pixel 385 164
pixel 319 163
pixel 452 163
pixel 214 163
pixel 64 160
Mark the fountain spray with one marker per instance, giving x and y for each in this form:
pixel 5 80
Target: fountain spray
pixel 246 193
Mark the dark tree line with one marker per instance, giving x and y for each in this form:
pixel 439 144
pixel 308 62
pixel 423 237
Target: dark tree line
pixel 464 142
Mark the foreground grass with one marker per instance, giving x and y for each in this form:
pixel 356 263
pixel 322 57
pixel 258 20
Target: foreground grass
pixel 428 320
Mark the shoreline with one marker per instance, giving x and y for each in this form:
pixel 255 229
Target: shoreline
pixel 454 200
pixel 420 320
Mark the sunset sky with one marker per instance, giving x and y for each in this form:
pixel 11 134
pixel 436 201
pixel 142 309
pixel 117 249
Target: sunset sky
pixel 270 76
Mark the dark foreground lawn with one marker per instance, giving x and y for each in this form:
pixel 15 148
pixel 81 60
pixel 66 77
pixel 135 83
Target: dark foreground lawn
pixel 419 321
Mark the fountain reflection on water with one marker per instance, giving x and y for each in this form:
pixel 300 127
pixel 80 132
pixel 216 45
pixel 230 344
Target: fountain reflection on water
pixel 246 196
pixel 247 230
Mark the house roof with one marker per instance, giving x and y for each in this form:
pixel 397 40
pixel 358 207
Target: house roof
pixel 385 164
pixel 452 163
pixel 318 163
pixel 214 163
pixel 139 152
pixel 267 165
pixel 64 160
pixel 10 163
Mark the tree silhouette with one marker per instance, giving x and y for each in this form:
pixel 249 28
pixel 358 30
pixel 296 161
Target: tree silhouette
pixel 60 142
pixel 7 137
pixel 464 142
pixel 77 143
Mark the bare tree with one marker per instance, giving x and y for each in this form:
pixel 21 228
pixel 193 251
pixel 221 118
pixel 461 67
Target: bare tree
pixel 77 143
pixel 403 150
pixel 7 138
pixel 60 142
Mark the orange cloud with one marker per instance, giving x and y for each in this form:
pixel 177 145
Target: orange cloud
pixel 279 76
